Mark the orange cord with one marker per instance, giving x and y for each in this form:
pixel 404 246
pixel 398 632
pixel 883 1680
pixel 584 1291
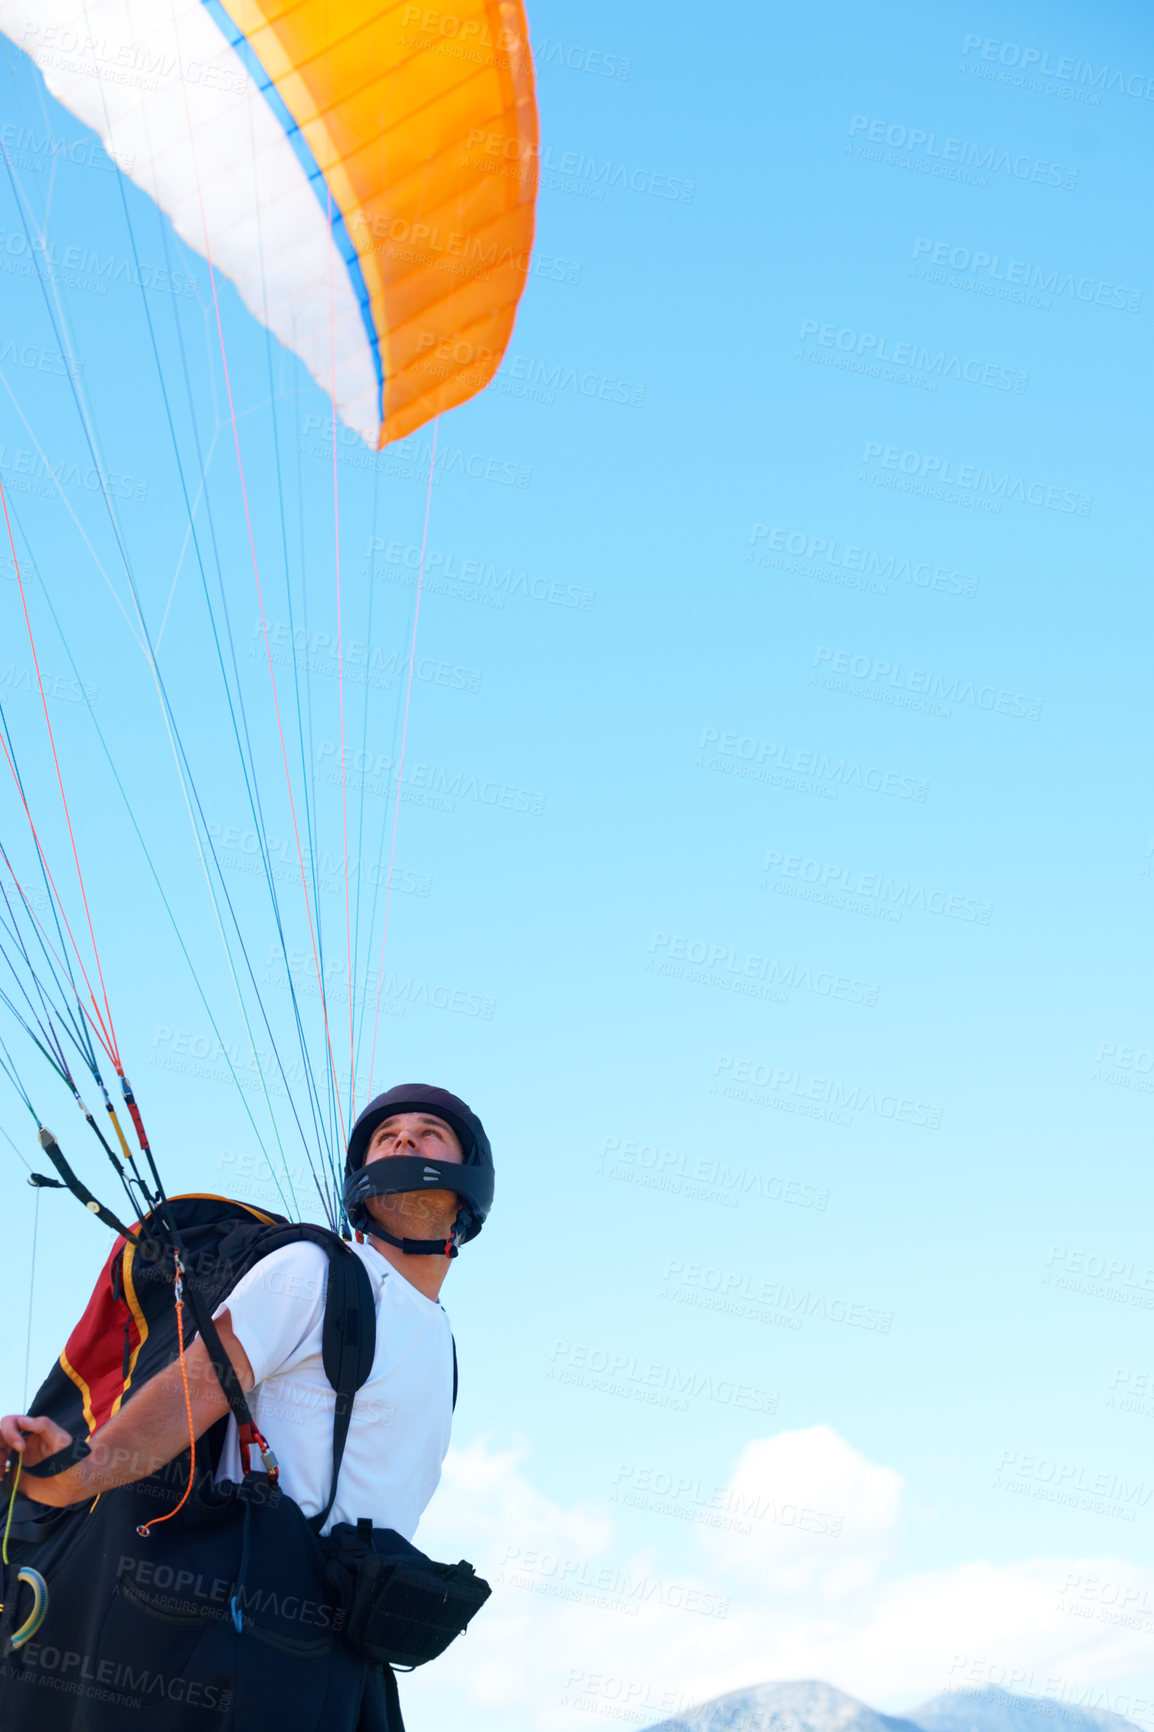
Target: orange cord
pixel 148 1526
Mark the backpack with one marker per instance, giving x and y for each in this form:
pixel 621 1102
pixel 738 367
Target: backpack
pixel 179 1629
pixel 127 1332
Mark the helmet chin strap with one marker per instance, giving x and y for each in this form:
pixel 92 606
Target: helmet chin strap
pixel 422 1247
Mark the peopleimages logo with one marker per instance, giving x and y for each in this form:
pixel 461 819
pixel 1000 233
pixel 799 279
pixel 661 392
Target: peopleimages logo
pixel 594 60
pixel 652 1381
pixel 515 157
pixel 1072 1483
pixel 974 478
pixel 26 148
pixel 44 256
pixel 768 761
pixel 961 153
pixel 879 673
pixel 766 1084
pixel 705 1177
pixel 844 561
pixel 603 1585
pixel 443 571
pixel 1019 273
pixel 1066 66
pixel 668 1492
pixel 843 886
pixel 714 961
pixel 902 352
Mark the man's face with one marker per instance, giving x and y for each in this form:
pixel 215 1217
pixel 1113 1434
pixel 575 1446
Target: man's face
pixel 415 1214
pixel 414 1134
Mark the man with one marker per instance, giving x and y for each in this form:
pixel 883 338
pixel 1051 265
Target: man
pixel 403 1148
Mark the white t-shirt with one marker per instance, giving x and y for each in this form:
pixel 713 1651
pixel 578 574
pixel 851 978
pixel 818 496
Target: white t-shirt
pixel 402 1414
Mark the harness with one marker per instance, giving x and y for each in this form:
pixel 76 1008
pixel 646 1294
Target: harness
pixel 348 1348
pixel 100 1565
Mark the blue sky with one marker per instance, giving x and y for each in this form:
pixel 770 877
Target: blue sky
pixel 803 764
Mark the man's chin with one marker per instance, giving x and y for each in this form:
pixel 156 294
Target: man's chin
pixel 417 1223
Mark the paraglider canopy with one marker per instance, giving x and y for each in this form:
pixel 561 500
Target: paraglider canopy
pixel 365 173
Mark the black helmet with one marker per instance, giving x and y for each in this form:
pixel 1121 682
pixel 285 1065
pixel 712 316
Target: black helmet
pixel 472 1179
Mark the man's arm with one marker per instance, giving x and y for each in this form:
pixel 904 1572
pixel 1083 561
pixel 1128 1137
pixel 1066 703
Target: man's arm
pixel 148 1432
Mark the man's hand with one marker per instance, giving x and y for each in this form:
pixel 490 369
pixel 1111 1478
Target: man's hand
pixel 147 1432
pixel 33 1439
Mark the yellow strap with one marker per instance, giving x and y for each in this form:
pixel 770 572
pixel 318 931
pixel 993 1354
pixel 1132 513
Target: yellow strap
pixel 11 1501
pixel 119 1132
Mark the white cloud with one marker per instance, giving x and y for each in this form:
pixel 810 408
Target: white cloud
pixel 795 1489
pixel 581 1630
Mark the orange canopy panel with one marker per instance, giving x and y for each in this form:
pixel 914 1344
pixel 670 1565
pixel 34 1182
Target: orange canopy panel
pixel 423 123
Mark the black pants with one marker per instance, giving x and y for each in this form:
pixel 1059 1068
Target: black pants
pixel 143 1631
pixel 380 1705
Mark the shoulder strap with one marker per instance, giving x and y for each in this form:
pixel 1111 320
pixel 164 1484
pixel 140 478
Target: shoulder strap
pixel 454 1373
pixel 348 1347
pixel 349 1335
pixel 348 1340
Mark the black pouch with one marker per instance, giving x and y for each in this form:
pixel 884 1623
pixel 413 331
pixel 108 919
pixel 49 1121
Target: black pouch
pixel 395 1606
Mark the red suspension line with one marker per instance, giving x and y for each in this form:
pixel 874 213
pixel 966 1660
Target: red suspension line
pixel 111 1045
pixel 97 1026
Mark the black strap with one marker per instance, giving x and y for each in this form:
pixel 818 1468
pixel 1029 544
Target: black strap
pixel 65 1458
pixel 392 1699
pixel 79 1189
pixel 348 1348
pixel 348 1339
pixel 454 1373
pixel 381 1702
pixel 420 1247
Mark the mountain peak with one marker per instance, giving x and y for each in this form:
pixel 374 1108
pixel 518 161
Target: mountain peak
pixel 811 1706
pixel 804 1706
pixel 992 1709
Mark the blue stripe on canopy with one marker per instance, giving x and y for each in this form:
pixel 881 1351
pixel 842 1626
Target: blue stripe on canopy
pixel 334 216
